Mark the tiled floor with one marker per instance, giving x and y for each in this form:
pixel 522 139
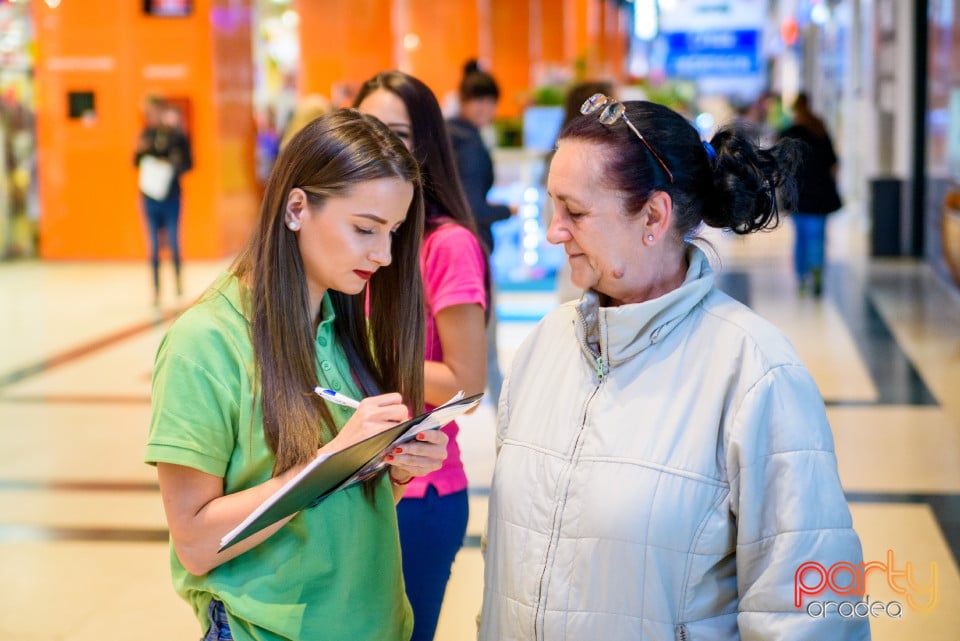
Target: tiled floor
pixel 82 536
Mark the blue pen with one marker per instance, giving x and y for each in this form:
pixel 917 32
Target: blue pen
pixel 336 397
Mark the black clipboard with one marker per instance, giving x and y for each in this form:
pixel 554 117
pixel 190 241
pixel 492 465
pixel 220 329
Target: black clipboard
pixel 327 474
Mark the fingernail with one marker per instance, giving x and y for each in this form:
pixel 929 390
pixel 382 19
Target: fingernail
pixel 388 457
pixel 398 450
pixel 420 437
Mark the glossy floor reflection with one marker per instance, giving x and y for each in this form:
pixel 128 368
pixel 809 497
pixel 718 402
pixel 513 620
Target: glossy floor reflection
pixel 82 536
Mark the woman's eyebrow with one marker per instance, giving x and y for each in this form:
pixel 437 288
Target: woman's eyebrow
pixel 373 217
pixel 568 200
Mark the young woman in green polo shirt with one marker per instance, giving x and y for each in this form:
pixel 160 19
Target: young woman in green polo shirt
pixel 233 413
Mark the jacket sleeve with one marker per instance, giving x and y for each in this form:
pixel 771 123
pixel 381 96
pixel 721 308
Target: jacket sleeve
pixel 789 509
pixel 143 148
pixel 476 176
pixel 181 154
pixel 831 152
pixel 188 155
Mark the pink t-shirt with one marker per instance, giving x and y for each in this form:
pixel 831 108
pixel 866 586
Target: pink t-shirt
pixel 453 270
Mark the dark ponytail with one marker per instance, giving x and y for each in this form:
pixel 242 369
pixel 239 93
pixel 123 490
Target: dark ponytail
pixel 750 184
pixel 738 186
pixel 477 83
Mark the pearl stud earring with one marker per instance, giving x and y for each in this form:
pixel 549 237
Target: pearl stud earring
pixel 293 225
pixel 650 238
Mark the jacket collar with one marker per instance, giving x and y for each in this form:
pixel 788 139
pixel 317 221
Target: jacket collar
pixel 620 333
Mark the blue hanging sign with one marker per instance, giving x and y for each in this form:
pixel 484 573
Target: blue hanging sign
pixel 716 52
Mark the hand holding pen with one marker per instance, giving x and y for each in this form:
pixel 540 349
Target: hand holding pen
pixel 372 415
pixel 336 397
pixel 376 413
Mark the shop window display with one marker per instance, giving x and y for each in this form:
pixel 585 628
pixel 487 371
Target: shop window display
pixel 18 184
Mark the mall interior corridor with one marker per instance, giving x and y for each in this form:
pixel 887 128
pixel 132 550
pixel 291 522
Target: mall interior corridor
pixel 83 544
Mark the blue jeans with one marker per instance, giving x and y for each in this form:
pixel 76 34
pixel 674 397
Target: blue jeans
pixel 219 628
pixel 809 247
pixel 431 534
pixel 163 215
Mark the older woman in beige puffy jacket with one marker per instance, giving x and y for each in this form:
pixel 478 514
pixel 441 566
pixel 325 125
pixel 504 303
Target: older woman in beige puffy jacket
pixel 665 466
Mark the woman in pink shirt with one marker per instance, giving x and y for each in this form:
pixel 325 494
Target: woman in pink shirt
pixel 433 512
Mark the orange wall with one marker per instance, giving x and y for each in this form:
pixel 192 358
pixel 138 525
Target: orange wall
pixel 90 206
pixel 546 35
pixel 88 195
pixel 449 36
pixel 511 58
pixel 515 40
pixel 616 34
pixel 343 43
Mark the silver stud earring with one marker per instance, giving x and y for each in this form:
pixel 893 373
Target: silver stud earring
pixel 650 238
pixel 293 225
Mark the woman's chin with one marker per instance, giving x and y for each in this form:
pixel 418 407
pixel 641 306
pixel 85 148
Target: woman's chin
pixel 351 289
pixel 581 280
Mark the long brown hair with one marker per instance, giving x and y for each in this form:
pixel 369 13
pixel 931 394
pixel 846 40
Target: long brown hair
pixel 443 193
pixel 327 158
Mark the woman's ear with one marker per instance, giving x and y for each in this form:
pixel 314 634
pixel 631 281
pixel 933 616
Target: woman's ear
pixel 295 208
pixel 659 217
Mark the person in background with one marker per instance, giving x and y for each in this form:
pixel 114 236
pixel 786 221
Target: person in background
pixel 163 139
pixel 307 109
pixel 433 513
pixel 234 415
pixel 658 441
pixel 267 144
pixel 580 91
pixel 478 96
pixel 817 184
pixel 753 116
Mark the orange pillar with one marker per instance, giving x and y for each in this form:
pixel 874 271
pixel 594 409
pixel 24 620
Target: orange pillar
pixel 596 33
pixel 236 195
pixel 575 34
pixel 342 44
pixel 521 43
pixel 511 61
pixel 96 61
pixel 616 41
pixel 446 35
pixel 547 39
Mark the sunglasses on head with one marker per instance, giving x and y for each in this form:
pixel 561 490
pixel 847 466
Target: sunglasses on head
pixel 609 111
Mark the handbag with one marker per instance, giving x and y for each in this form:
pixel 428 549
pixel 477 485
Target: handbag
pixel 156 176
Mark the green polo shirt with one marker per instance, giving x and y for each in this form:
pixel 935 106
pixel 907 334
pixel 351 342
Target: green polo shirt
pixel 332 572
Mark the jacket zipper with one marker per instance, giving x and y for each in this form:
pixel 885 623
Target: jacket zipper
pixel 598 365
pixel 597 358
pixel 682 633
pixel 537 632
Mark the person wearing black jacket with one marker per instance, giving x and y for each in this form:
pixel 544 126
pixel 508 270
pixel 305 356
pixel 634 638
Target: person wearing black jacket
pixel 479 94
pixel 165 143
pixel 817 194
